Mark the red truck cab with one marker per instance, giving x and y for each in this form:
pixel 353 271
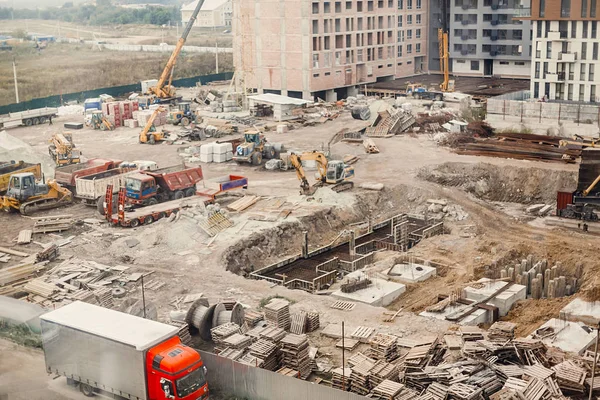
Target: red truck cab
pixel 175 371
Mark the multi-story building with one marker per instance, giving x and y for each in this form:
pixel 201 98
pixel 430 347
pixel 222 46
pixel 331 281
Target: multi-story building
pixel 565 49
pixel 213 13
pixel 327 49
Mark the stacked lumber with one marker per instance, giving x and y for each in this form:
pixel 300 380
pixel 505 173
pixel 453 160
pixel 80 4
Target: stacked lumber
pixel 243 203
pixel 237 341
pixel 502 331
pixel 295 354
pixel 370 146
pixel 251 318
pixel 386 390
pixel 40 288
pixel 222 332
pixel 312 322
pixel 57 223
pixel 340 378
pixel 288 372
pixel 384 347
pixel 267 352
pixel 278 312
pixel 359 378
pixel 104 297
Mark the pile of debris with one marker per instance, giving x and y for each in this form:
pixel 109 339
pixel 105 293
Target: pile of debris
pixel 390 122
pixel 441 209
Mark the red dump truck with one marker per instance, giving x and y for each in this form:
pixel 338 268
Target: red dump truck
pixel 118 355
pixel 67 175
pixel 164 184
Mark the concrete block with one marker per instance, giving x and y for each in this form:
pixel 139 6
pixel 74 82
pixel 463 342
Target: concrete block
pixel 411 272
pixel 380 294
pixel 545 210
pixel 504 301
pixel 229 155
pixel 572 337
pixel 283 128
pixel 220 158
pixel 206 149
pixel 579 310
pixel 535 208
pixel 221 148
pixel 206 158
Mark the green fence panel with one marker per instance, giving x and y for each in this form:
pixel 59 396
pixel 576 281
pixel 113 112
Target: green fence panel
pixel 58 100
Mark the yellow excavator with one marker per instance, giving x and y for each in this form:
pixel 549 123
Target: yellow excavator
pixel 149 134
pixel 27 196
pixel 164 91
pixel 334 172
pixel 63 150
pixel 446 85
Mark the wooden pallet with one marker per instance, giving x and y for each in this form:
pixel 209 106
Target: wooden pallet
pixel 347 344
pixel 298 323
pixel 215 224
pixel 362 333
pixel 24 236
pixel 243 203
pixel 343 305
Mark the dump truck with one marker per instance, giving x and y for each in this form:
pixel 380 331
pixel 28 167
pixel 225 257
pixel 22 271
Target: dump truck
pixel 28 118
pixel 153 187
pixel 17 167
pixel 67 175
pixel 118 355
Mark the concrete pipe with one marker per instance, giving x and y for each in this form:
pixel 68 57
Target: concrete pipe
pixel 222 316
pixel 199 317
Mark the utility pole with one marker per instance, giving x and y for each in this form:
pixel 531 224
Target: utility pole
pixel 16 84
pixel 343 359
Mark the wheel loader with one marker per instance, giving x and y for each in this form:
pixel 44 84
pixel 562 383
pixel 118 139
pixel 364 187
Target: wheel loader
pixel 27 196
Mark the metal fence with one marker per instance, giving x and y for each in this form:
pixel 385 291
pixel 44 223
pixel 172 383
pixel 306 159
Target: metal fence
pixel 559 111
pixel 58 100
pixel 234 379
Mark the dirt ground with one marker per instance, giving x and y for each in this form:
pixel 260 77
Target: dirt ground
pixel 493 192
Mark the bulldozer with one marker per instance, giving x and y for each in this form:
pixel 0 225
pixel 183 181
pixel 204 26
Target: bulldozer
pixel 183 115
pixel 253 149
pixel 335 172
pixel 63 150
pixel 28 196
pixel 149 134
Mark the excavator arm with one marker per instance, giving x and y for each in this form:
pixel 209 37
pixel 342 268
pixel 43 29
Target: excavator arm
pixel 443 49
pixel 321 160
pixel 144 132
pixel 297 164
pixel 163 90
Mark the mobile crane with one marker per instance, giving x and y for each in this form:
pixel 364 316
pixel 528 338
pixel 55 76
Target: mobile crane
pixel 63 150
pixel 163 91
pixel 444 67
pixel 149 134
pixel 334 172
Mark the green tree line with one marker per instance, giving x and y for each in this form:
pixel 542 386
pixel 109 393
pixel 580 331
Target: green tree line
pixel 103 13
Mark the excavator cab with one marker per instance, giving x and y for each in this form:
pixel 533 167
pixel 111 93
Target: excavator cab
pixel 23 186
pixel 338 171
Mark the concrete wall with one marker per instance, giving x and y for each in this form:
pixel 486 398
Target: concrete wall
pixel 462 66
pixel 511 68
pixel 555 111
pixel 234 379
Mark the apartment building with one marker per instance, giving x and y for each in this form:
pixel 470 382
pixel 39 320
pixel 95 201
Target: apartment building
pixel 213 13
pixel 327 49
pixel 565 41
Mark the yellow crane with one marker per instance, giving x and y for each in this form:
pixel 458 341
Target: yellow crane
pixel 149 134
pixel 62 149
pixel 163 89
pixel 334 172
pixel 444 59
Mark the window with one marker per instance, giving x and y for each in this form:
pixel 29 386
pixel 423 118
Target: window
pixel 399 50
pixel 593 93
pixel 359 7
pixel 359 23
pixel 594 29
pixel 315 8
pixel 369 6
pixel 408 62
pixel 338 6
pixel 538 29
pixel 595 51
pixel 547 26
pixel 327 43
pixel 585 30
pixel 418 34
pixel 400 4
pixel 536 90
pixel 549 49
pixel 315 75
pixel 517 34
pixel 409 49
pixel 338 25
pixel 565 8
pixel 315 27
pixel 327 60
pixel 591 73
pixel 400 36
pixel 571 72
pixel 399 21
pixel 418 19
pixel 545 70
pixel 521 63
pixel 348 5
pixel 409 34
pixel 418 48
pixel 581 92
pixel 409 20
pixel 326 7
pixel 542 9
pixel 583 8
pixel 537 70
pixel 583 50
pixel 474 65
pixel 338 58
pixel 315 61
pixel 570 92
pixel 592 8
pixel 409 4
pixel 582 73
pixel 504 63
pixel 419 4
pixel 573 29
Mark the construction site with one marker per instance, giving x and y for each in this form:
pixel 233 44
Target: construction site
pixel 414 241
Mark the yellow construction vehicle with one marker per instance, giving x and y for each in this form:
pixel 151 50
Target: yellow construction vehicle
pixel 163 91
pixel 28 196
pixel 580 141
pixel 446 85
pixel 63 150
pixel 334 172
pixel 149 134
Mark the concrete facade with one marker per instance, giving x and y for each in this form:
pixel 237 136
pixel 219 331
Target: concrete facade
pixel 485 40
pixel 327 49
pixel 214 13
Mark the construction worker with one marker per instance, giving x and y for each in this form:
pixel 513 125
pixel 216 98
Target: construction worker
pixel 50 120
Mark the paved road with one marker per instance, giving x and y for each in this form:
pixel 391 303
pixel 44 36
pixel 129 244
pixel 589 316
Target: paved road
pixel 23 376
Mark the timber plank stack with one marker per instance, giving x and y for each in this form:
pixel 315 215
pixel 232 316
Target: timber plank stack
pixel 295 354
pixel 278 313
pixel 267 351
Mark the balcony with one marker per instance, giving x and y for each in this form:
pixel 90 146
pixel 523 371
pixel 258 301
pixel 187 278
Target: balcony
pixel 522 12
pixel 567 57
pixel 555 77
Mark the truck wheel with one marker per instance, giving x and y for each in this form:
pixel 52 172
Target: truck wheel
pixel 178 195
pixel 36 121
pixel 86 389
pixel 43 120
pixel 149 219
pixel 100 205
pixel 134 223
pixel 439 97
pixel 270 153
pixel 256 158
pixel 151 139
pixel 28 122
pixel 152 201
pixel 190 192
pixel 185 121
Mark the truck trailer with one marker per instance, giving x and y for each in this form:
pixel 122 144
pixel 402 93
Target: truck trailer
pixel 103 351
pixel 67 175
pixel 28 118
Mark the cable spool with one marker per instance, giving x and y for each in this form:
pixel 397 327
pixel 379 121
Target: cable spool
pixel 199 317
pixel 222 316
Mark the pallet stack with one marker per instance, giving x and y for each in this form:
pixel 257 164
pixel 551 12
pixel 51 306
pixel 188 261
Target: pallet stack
pixel 360 378
pixel 387 390
pixel 222 332
pixel 341 378
pixel 267 352
pixel 502 331
pixel 382 371
pixel 298 323
pixel 295 354
pixel 312 322
pixel 104 297
pixel 251 318
pixel 237 341
pixel 272 334
pixel 384 347
pixel 278 313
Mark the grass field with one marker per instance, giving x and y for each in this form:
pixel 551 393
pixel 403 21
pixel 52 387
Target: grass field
pixel 65 68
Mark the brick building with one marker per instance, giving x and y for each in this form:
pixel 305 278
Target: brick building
pixel 327 49
pixel 565 49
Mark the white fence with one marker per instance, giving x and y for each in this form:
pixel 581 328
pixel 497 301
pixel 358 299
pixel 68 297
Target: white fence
pixel 149 47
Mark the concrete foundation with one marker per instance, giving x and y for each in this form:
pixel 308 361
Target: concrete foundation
pixel 569 336
pixel 480 316
pixel 579 310
pixel 379 294
pixel 411 272
pixel 504 301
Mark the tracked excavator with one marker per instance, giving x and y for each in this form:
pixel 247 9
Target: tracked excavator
pixel 335 172
pixel 27 196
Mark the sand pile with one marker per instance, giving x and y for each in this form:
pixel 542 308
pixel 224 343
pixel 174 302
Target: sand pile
pixel 15 149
